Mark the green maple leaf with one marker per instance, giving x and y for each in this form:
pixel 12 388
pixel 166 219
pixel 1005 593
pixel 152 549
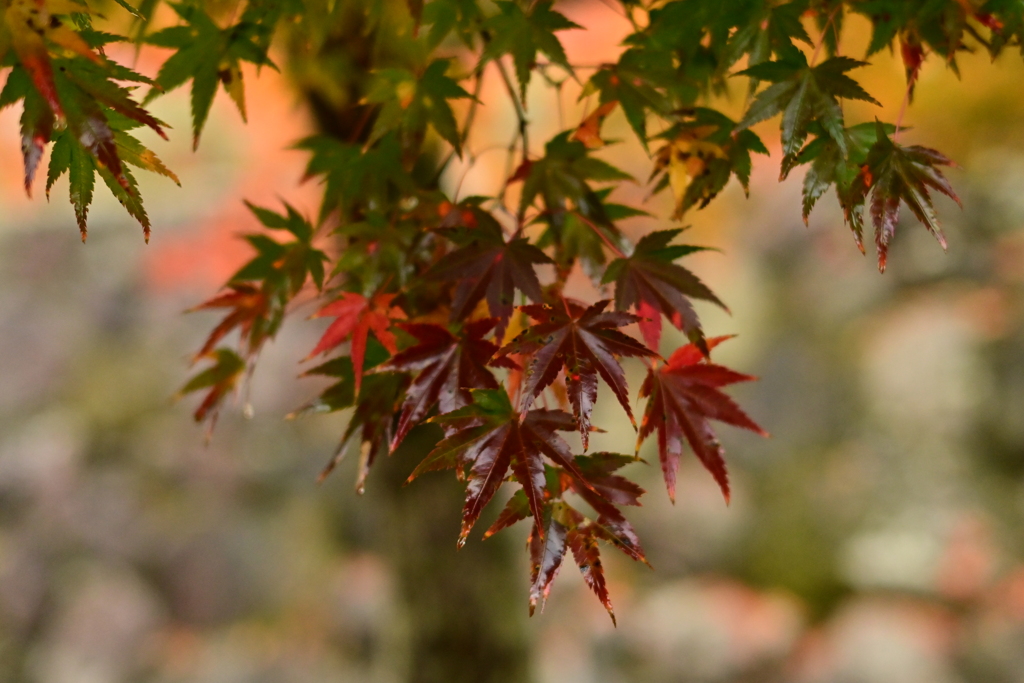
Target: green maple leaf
pixel 562 174
pixel 1005 18
pixel 353 175
pixel 208 55
pixel 410 101
pixel 938 25
pixel 893 174
pixel 82 164
pixel 580 237
pixel 713 130
pixel 630 83
pixel 804 94
pixel 287 264
pixel 768 31
pixel 524 34
pixel 461 16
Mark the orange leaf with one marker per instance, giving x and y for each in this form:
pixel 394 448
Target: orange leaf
pixel 589 131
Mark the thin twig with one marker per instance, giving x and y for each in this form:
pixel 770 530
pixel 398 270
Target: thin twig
pixel 903 110
pixel 824 32
pixel 509 168
pixel 520 112
pixel 604 238
pixel 473 158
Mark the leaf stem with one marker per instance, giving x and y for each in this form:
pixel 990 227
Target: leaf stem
pixel 604 238
pixel 824 32
pixel 903 111
pixel 520 112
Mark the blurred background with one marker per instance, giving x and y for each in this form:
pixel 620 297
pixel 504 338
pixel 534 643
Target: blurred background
pixel 875 538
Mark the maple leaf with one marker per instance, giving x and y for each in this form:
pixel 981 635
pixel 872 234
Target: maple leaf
pixel 516 509
pixel 523 34
pixel 209 55
pixel 81 164
pixel 704 149
pixel 582 540
pixel 893 173
pixel 589 130
pixel 600 488
pixel 75 89
pixel 802 94
pixel 449 366
pixel 598 470
pixel 682 396
pixel 357 316
pixel 562 528
pixel 684 160
pixel 352 174
pixel 561 175
pixel 769 30
pixel 284 267
pixel 582 340
pixel 487 267
pixel 654 285
pixel 410 101
pixel 547 543
pixel 490 438
pixel 371 423
pixel 250 307
pixel 228 367
pixel 628 83
pixel 341 394
pixel 586 234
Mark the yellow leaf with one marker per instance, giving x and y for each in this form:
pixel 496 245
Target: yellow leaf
pixel 687 159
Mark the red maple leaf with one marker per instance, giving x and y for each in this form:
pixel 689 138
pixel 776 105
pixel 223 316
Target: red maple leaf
pixel 449 367
pixel 683 397
pixel 357 316
pixel 565 528
pixel 491 438
pixel 250 307
pixel 583 340
pixel 486 267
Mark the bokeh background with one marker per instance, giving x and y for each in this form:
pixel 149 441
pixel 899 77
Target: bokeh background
pixel 875 538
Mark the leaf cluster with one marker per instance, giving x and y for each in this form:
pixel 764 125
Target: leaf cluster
pixel 454 316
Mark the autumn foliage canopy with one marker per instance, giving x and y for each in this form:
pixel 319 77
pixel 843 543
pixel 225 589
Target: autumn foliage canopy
pixel 449 316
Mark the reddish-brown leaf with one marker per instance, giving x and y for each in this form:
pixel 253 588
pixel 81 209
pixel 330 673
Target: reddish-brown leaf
pixel 683 396
pixel 583 542
pixel 370 424
pixel 502 439
pixel 583 340
pixel 517 508
pixel 912 53
pixel 611 525
pixel 546 552
pixel 448 366
pixel 219 379
pixel 654 284
pixel 486 267
pixel 249 304
pixel 598 470
pixel 357 316
pixel 27 41
pixel 893 174
pixel 36 128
